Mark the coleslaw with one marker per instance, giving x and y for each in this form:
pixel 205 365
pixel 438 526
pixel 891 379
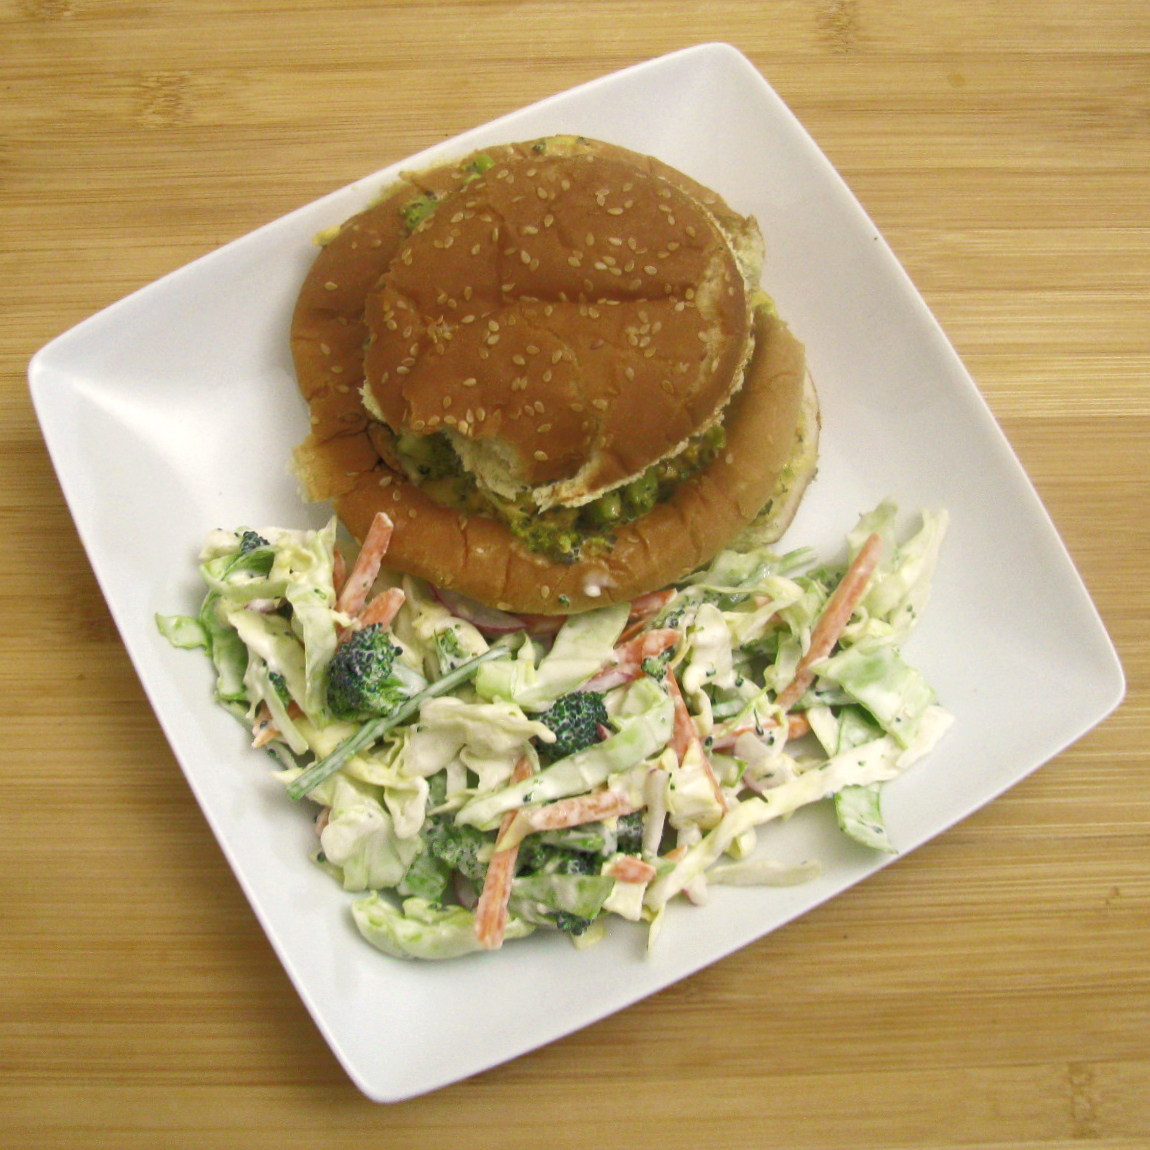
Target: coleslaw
pixel 481 776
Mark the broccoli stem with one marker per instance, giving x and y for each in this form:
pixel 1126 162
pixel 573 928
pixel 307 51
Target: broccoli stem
pixel 371 731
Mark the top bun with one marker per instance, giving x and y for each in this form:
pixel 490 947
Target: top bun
pixel 551 365
pixel 568 318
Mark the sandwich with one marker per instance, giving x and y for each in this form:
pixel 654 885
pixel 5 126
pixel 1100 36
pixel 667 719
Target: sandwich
pixel 552 366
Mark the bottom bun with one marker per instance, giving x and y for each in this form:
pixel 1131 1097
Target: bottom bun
pixel 771 443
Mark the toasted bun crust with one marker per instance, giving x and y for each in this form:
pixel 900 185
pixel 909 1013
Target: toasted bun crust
pixel 370 288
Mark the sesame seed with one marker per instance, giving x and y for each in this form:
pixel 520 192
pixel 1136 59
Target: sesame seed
pixel 525 256
pixel 482 414
pixel 539 407
pixel 589 240
pixel 330 285
pixel 556 356
pixel 401 370
pixel 492 325
pixel 600 404
pixel 544 427
pixel 651 270
pixel 411 513
pixel 475 249
pixel 629 372
pixel 447 401
pixel 614 211
pixel 519 360
pixel 468 319
pixel 464 427
pixel 541 455
pixel 325 349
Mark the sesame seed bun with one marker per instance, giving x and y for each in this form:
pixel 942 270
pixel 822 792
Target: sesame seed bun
pixel 562 318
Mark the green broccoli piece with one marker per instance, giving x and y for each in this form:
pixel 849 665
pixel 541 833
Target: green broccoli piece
pixel 364 677
pixel 629 833
pixel 572 924
pixel 417 210
pixel 477 167
pixel 458 845
pixel 251 541
pixel 575 720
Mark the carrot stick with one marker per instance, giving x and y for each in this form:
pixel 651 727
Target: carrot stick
pixel 338 570
pixel 797 726
pixel 626 662
pixel 563 813
pixel 491 913
pixel 644 609
pixel 631 868
pixel 354 593
pixel 382 609
pixel 836 615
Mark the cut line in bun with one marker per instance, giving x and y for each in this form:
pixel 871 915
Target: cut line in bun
pixel 530 336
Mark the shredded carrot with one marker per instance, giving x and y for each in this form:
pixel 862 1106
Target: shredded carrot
pixel 685 735
pixel 264 729
pixel 834 618
pixel 375 543
pixel 382 609
pixel 626 661
pixel 797 725
pixel 491 912
pixel 631 868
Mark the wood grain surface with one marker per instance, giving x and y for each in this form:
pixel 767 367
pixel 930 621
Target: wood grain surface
pixel 990 990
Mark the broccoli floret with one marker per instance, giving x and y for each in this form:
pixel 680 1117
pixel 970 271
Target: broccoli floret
pixel 573 924
pixel 656 665
pixel 250 541
pixel 363 676
pixel 457 845
pixel 629 833
pixel 537 857
pixel 575 720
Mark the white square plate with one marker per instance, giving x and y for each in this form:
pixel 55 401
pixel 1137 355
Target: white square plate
pixel 175 411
